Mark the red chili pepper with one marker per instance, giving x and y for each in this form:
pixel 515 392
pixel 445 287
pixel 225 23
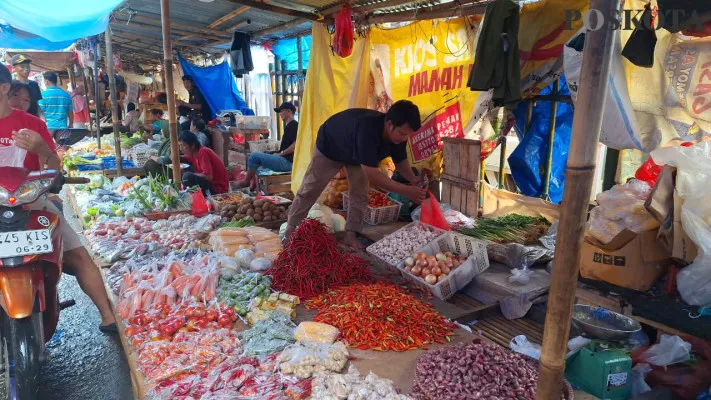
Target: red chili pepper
pixel 380 317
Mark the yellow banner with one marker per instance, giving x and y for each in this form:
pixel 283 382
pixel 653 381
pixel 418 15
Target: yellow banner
pixel 428 63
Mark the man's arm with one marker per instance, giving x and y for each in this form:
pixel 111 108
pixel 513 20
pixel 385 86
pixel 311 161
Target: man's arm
pixel 288 150
pixel 70 117
pixel 377 178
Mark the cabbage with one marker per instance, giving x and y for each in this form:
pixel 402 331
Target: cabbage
pixel 282 230
pixel 323 214
pixel 339 223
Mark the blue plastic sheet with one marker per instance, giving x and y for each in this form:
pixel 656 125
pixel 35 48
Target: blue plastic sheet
pixel 528 160
pixel 11 38
pixel 58 21
pixel 218 86
pixel 287 50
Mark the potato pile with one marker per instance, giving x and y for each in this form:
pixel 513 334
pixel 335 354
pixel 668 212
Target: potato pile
pixel 259 210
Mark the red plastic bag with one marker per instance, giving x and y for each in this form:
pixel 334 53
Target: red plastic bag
pixel 432 213
pixel 343 37
pixel 199 204
pixel 649 171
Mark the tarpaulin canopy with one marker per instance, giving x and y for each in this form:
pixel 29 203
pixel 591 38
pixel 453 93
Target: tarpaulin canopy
pixel 55 21
pixel 217 84
pixel 15 39
pixel 287 50
pixel 48 61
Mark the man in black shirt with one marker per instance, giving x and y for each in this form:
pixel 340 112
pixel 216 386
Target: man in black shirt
pixel 282 161
pixel 358 139
pixel 21 67
pixel 196 100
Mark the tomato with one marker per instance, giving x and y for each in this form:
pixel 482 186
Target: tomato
pixel 211 315
pixel 201 323
pixel 139 318
pixel 133 330
pixel 225 321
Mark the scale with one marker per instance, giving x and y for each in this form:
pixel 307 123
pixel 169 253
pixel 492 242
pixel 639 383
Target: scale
pixel 600 368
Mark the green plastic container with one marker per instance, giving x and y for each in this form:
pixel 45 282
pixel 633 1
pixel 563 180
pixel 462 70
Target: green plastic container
pixel 600 371
pixel 406 204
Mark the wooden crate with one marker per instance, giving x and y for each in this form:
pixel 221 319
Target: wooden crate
pixel 461 175
pixel 272 184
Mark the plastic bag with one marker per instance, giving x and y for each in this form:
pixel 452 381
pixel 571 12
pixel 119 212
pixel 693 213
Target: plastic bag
pixel 693 174
pixel 12 156
pixel 343 37
pixel 304 359
pixel 199 203
pixel 317 332
pixel 432 213
pixel 520 344
pixel 649 171
pixel 670 350
pixel 244 257
pixel 454 218
pixel 260 264
pixel 637 384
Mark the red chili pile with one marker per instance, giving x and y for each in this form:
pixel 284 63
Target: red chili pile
pixel 476 370
pixel 380 317
pixel 311 263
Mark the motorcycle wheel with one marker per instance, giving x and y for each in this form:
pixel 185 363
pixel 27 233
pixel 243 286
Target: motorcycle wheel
pixel 5 384
pixel 25 344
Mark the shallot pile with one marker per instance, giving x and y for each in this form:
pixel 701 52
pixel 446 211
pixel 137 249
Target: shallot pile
pixel 401 243
pixel 477 370
pixel 433 269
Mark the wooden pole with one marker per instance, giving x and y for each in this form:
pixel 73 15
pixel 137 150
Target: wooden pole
pixel 300 72
pixel 114 101
pixel 576 197
pixel 264 6
pixel 279 93
pixel 284 83
pixel 278 28
pixel 170 92
pixel 84 73
pixel 98 97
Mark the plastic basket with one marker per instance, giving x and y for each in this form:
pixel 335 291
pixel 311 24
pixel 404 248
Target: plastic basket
pixel 376 216
pixel 262 146
pixel 477 262
pixel 141 155
pixel 110 163
pixel 393 267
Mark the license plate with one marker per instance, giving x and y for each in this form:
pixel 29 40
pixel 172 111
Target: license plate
pixel 23 243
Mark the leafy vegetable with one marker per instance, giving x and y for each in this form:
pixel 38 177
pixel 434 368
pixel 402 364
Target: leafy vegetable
pixel 514 228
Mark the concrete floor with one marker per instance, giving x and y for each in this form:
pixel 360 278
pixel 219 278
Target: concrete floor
pixel 85 364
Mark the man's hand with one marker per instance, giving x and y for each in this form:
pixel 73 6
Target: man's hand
pixel 180 103
pixel 414 193
pixel 32 142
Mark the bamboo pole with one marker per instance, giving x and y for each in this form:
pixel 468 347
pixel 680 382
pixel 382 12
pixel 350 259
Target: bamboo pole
pixel 98 97
pixel 551 139
pixel 576 197
pixel 169 90
pixel 114 101
pixel 300 72
pixel 278 28
pixel 86 93
pixel 264 6
pixel 279 95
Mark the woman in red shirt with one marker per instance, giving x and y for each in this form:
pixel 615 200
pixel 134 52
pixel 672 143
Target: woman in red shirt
pixel 80 108
pixel 210 172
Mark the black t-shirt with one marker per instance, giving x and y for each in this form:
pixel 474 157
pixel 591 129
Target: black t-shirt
pixel 355 137
pixel 35 97
pixel 289 138
pixel 196 97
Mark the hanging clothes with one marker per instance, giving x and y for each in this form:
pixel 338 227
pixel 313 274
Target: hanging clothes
pixel 241 54
pixel 497 62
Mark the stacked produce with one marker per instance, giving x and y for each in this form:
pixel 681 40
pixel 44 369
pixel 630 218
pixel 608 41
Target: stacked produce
pixel 380 317
pixel 433 269
pixel 329 385
pixel 402 243
pixel 258 210
pixel 269 335
pixel 239 290
pixel 511 228
pixel 620 208
pixel 282 302
pixel 156 194
pixel 228 241
pixel 305 359
pixel 317 332
pixel 475 370
pixel 311 263
pixel 378 199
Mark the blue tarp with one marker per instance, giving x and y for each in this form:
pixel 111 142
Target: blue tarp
pixel 528 161
pixel 14 39
pixel 287 50
pixel 218 86
pixel 58 21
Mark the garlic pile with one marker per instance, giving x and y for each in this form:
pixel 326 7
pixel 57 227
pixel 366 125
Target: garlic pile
pixel 400 244
pixel 351 386
pixel 305 359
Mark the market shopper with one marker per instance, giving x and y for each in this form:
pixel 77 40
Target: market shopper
pixel 157 124
pixel 358 139
pixel 56 105
pixel 130 122
pixel 197 126
pixel 80 108
pixel 22 66
pixel 210 172
pixel 30 133
pixel 19 96
pixel 282 161
pixel 196 100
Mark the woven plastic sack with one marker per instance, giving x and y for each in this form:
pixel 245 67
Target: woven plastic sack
pixel 432 213
pixel 343 37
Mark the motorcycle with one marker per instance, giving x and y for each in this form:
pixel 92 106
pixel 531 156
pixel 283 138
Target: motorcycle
pixel 31 251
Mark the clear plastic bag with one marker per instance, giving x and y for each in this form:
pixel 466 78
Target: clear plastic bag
pixel 260 264
pixel 669 351
pixel 318 332
pixel 637 384
pixel 520 344
pixel 454 218
pixel 12 156
pixel 305 359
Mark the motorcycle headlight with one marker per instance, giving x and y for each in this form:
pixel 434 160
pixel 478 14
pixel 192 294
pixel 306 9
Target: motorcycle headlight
pixel 5 197
pixel 30 191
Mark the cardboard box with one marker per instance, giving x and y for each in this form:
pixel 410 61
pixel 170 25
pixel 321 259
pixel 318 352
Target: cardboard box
pixel 631 260
pixel 683 249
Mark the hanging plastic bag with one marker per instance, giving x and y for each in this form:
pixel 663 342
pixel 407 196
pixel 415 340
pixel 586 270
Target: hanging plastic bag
pixel 669 351
pixel 432 214
pixel 12 156
pixel 649 171
pixel 343 37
